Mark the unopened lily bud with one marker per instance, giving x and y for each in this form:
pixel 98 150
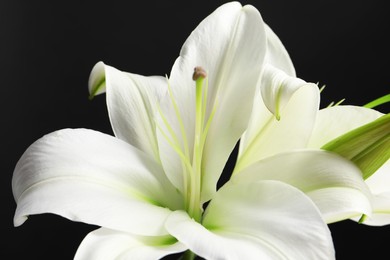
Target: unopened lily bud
pixel 367 146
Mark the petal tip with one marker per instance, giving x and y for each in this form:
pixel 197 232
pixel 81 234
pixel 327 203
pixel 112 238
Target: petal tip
pixel 19 220
pixel 97 80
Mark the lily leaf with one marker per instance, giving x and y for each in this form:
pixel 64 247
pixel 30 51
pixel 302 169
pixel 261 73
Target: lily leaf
pixel 378 101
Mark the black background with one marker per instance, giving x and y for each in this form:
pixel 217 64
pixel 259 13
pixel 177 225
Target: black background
pixel 48 48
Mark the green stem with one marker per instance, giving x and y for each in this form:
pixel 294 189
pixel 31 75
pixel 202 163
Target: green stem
pixel 188 255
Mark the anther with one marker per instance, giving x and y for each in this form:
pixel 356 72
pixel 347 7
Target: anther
pixel 199 72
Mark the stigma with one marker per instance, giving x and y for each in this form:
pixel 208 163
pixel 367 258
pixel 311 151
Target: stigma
pixel 199 72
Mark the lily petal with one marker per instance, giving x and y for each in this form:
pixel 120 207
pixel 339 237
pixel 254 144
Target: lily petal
pixel 277 54
pixel 103 244
pixel 380 181
pixel 95 178
pixel 267 136
pixel 277 87
pixel 131 102
pixel 333 183
pixel 244 221
pixel 230 45
pixel 214 245
pixel 379 184
pixel 339 120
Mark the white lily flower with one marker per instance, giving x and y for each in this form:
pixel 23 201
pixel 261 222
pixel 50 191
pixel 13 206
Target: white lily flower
pixel 284 115
pixel 339 120
pixel 146 187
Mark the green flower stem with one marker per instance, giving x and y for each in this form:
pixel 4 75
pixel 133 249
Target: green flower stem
pixel 188 255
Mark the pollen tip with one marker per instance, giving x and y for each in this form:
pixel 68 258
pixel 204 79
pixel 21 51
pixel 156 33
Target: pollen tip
pixel 199 72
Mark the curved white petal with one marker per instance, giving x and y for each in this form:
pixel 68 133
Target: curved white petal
pixel 103 244
pixel 380 181
pixel 95 178
pixel 379 184
pixel 334 121
pixel 277 88
pixel 230 45
pixel 214 245
pixel 333 183
pixel 259 220
pixel 381 211
pixel 267 136
pixel 277 54
pixel 97 80
pixel 131 102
